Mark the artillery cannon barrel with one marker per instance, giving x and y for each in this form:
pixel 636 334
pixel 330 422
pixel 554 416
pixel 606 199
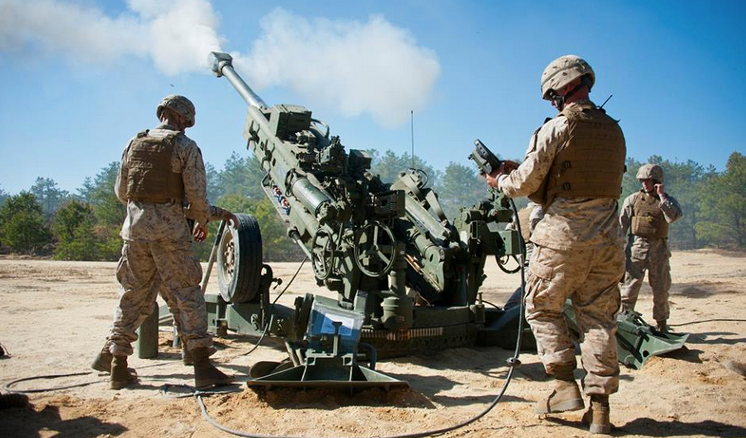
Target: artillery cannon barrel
pixel 222 65
pixel 283 167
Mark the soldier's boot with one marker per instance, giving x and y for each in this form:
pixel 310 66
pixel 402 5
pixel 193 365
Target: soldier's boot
pixel 598 415
pixel 186 355
pixel 662 326
pixel 564 397
pixel 205 374
pixel 121 376
pixel 102 362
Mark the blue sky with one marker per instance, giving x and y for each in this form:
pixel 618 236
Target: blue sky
pixel 72 93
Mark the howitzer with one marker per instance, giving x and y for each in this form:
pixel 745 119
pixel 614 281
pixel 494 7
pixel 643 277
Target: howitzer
pixel 407 277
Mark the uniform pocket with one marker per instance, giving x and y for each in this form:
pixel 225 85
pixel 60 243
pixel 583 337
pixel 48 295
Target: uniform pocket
pixel 540 270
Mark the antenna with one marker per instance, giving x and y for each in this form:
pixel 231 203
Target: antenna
pixel 607 99
pixel 411 124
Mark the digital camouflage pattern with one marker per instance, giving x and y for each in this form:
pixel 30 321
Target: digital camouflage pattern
pixel 648 254
pixel 589 277
pixel 648 219
pixel 147 222
pixel 578 254
pixel 150 178
pixel 562 71
pixel 144 270
pixel 568 223
pixel 590 164
pixel 181 105
pixel 652 171
pixel 157 256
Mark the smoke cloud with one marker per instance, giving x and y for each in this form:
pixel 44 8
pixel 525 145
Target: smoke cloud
pixel 356 67
pixel 371 67
pixel 176 39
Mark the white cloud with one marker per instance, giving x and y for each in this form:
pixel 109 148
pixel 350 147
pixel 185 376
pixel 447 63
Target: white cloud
pixel 370 67
pixel 176 39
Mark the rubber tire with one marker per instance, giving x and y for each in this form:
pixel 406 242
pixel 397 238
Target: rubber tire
pixel 243 287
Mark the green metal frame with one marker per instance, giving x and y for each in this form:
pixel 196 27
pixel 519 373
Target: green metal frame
pixel 636 340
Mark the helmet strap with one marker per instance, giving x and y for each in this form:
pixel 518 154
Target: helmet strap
pixel 584 81
pixel 557 100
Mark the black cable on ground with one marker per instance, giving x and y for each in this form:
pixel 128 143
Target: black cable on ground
pixel 194 392
pixel 513 363
pixel 8 386
pixel 701 321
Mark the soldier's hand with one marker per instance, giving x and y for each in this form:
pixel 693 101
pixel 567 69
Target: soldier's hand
pixel 492 178
pixel 200 232
pixel 505 168
pixel 232 219
pixel 659 189
pixel 508 166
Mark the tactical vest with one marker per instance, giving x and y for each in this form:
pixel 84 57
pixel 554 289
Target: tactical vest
pixel 590 164
pixel 150 178
pixel 648 219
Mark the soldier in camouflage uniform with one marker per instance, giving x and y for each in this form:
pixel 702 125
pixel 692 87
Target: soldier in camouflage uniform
pixel 646 214
pixel 573 167
pixel 161 172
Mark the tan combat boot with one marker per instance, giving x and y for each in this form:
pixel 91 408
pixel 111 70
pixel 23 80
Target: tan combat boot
pixel 205 374
pixel 102 362
pixel 564 397
pixel 598 415
pixel 186 355
pixel 121 376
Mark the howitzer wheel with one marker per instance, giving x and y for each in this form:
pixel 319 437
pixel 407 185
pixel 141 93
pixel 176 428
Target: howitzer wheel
pixel 240 261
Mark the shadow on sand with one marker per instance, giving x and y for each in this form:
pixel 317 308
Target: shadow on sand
pixel 28 423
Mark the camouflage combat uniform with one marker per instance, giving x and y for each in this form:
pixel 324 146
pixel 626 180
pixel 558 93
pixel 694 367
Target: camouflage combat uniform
pixel 578 254
pixel 648 253
pixel 534 217
pixel 157 255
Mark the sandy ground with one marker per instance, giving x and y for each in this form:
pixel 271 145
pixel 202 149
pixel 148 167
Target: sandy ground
pixel 54 317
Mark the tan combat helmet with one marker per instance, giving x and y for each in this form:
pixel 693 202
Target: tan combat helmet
pixel 652 171
pixel 179 104
pixel 562 71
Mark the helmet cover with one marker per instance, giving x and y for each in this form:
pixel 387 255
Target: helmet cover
pixel 563 71
pixel 180 105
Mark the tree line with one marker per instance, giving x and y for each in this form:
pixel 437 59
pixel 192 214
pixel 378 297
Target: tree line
pixel 46 220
